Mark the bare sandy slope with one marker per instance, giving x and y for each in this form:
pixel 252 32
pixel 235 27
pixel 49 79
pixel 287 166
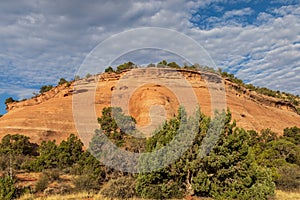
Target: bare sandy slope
pixel 50 116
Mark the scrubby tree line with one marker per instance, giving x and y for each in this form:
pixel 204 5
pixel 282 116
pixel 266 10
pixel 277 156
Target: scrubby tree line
pixel 17 153
pixel 241 165
pixel 161 64
pixel 120 68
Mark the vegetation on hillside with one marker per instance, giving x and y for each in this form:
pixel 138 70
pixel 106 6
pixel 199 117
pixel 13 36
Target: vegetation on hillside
pixel 109 70
pixel 294 99
pixel 62 81
pixel 45 88
pixel 8 190
pixel 242 165
pixel 9 100
pixel 118 128
pixel 88 75
pixel 120 68
pixel 228 172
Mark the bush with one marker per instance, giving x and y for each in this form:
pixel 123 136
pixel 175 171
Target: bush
pixel 45 88
pixel 289 178
pixel 9 100
pixel 88 75
pixel 8 190
pixel 151 65
pixel 122 188
pixel 18 144
pixel 52 174
pixel 292 134
pixel 4 162
pixel 69 151
pixel 173 65
pixel 62 81
pixel 163 63
pixel 42 183
pixel 48 157
pixel 85 183
pixel 128 65
pixel 229 171
pixel 109 70
pixel 161 190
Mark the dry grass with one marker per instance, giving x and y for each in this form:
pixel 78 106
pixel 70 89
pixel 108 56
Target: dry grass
pixel 280 195
pixel 77 196
pixel 283 195
pixel 83 195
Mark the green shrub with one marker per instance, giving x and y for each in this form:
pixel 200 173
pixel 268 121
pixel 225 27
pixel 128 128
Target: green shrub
pixel 62 81
pixel 4 162
pixel 45 88
pixel 109 70
pixel 111 118
pixel 128 65
pixel 8 190
pixel 163 63
pixel 229 171
pixel 292 134
pixel 63 156
pixel 164 190
pixel 47 158
pixel 69 151
pixel 9 100
pixel 173 65
pixel 18 144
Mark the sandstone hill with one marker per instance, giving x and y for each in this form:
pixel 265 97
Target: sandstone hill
pixel 49 116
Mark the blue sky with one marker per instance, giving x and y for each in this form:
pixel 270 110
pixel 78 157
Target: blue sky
pixel 42 41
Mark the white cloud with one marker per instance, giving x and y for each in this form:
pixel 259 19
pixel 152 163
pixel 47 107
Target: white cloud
pixel 19 92
pixel 267 54
pixel 31 19
pixel 241 12
pixel 42 41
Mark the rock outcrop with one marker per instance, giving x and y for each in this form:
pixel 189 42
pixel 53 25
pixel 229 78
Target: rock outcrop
pixel 49 116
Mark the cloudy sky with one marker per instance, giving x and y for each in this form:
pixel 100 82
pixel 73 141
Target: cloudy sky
pixel 42 41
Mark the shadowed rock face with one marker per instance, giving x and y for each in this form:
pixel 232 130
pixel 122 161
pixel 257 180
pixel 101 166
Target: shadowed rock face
pixel 50 116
